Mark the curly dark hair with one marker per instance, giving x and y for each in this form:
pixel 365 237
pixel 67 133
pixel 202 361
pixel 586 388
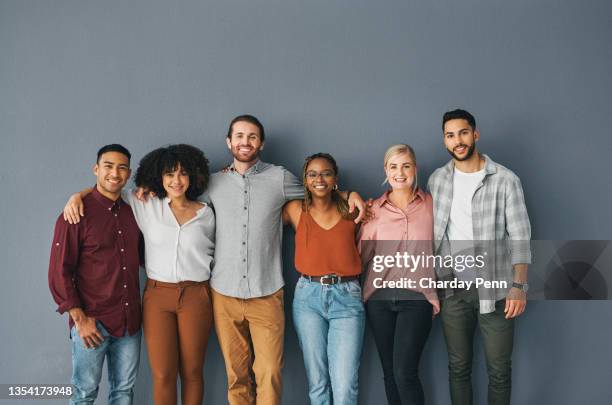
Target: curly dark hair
pixel 165 160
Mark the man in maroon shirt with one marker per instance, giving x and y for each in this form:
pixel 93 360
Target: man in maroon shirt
pixel 93 275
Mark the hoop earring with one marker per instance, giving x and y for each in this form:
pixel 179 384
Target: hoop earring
pixel 335 187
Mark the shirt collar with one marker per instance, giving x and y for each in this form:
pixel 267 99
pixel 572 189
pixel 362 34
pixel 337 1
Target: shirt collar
pixel 385 197
pixel 489 166
pixel 199 212
pixel 256 168
pixel 105 201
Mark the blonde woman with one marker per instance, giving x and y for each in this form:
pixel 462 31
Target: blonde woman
pixel 400 317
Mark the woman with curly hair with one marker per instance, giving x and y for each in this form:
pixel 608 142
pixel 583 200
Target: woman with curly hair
pixel 179 244
pixel 328 313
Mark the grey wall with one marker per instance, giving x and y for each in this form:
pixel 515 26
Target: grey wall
pixel 346 77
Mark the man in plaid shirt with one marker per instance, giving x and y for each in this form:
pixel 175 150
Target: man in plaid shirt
pixel 479 202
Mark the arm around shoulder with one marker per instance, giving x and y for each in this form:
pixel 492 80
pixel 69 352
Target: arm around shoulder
pixel 74 208
pixel 292 211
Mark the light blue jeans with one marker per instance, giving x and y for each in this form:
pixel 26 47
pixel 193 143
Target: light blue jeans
pixel 330 323
pixel 122 355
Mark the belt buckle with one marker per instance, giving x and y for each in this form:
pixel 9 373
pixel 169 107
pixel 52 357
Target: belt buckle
pixel 334 279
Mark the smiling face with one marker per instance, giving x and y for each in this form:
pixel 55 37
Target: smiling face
pixel 460 139
pixel 320 177
pixel 176 182
pixel 112 172
pixel 245 141
pixel 401 171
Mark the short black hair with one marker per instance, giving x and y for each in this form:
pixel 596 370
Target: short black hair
pixel 155 164
pixel 251 120
pixel 113 147
pixel 459 114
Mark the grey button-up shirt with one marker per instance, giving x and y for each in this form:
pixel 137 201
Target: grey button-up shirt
pixel 249 231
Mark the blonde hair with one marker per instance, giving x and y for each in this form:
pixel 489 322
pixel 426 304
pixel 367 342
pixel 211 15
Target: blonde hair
pixel 398 150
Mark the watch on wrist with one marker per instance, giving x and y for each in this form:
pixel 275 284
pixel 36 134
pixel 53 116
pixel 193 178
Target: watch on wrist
pixel 522 287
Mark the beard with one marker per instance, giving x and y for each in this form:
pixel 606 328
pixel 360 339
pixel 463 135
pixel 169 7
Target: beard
pixel 254 155
pixel 468 155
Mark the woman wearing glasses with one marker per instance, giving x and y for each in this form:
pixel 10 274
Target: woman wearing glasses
pixel 328 312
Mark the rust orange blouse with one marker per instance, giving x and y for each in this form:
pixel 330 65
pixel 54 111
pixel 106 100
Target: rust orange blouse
pixel 320 251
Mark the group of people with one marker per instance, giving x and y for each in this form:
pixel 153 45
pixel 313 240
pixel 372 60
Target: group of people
pixel 211 247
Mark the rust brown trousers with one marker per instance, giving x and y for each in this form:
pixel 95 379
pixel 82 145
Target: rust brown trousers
pixel 177 319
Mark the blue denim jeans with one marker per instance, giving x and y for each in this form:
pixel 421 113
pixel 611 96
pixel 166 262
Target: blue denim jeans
pixel 330 323
pixel 122 355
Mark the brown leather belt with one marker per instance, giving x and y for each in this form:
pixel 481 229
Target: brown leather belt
pixel 330 279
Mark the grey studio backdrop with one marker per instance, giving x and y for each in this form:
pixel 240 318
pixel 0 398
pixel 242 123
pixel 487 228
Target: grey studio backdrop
pixel 345 77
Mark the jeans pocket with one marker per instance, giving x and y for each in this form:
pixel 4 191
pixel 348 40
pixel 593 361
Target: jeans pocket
pixel 354 288
pixel 302 289
pixel 102 329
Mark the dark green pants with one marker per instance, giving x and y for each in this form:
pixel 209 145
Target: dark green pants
pixel 460 314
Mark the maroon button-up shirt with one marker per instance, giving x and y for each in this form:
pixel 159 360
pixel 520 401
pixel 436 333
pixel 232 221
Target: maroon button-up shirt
pixel 94 265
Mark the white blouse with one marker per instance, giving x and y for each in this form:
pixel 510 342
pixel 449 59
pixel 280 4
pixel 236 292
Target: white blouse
pixel 173 252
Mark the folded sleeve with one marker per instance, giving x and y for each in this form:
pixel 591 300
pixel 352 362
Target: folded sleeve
pixel 63 263
pixel 518 226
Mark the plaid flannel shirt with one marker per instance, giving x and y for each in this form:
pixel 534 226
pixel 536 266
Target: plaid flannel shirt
pixel 498 214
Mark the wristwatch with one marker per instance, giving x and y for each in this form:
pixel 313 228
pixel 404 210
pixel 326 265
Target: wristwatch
pixel 522 287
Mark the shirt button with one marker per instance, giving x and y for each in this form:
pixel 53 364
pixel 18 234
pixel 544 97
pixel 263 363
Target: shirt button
pixel 244 260
pixel 122 250
pixel 119 231
pixel 115 214
pixel 126 304
pixel 243 276
pixel 245 208
pixel 124 268
pixel 57 243
pixel 244 226
pixel 124 285
pixel 245 191
pixel 109 209
pixel 244 243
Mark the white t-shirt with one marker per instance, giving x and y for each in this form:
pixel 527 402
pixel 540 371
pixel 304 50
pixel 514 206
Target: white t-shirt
pixel 173 252
pixel 460 228
pixel 460 220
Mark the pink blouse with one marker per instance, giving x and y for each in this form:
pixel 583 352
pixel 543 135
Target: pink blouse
pixel 409 230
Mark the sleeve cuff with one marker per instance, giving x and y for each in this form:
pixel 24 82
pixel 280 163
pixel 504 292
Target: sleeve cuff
pixel 68 305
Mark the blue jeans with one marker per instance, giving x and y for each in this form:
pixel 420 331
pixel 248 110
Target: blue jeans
pixel 330 323
pixel 123 355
